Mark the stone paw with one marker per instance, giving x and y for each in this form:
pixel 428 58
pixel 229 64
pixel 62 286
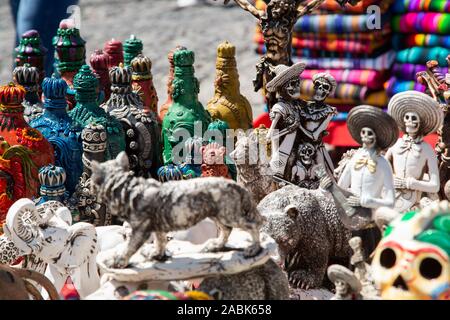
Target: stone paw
pixel 252 250
pixel 157 256
pixel 302 279
pixel 120 262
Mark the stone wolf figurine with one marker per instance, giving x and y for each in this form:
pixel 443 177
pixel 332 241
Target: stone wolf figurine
pixel 151 206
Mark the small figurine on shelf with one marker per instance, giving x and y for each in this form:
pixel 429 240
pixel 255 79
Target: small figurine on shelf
pixel 347 285
pixel 131 48
pixel 142 82
pixel 31 51
pixel 70 54
pixel 165 107
pixel 23 150
pixel 414 162
pixel 53 185
pixel 59 129
pixel 213 165
pixel 186 112
pixel 228 104
pixel 28 77
pixel 304 169
pixel 141 127
pixel 87 110
pixel 100 66
pixel 114 49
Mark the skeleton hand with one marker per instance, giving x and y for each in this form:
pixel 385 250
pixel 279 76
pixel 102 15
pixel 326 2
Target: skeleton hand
pixel 354 201
pixel 325 182
pixel 399 183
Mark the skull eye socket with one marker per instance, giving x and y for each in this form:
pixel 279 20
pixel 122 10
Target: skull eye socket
pixel 430 268
pixel 388 258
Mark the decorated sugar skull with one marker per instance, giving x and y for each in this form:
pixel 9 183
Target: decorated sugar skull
pixel 324 85
pixel 368 137
pixel 412 122
pixel 306 153
pixel 412 259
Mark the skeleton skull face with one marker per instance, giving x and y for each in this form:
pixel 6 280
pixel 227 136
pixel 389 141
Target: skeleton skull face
pixel 306 153
pixel 368 137
pixel 411 270
pixel 292 87
pixel 341 287
pixel 412 122
pixel 322 89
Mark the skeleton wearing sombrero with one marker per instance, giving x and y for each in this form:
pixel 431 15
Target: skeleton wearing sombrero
pixel 414 162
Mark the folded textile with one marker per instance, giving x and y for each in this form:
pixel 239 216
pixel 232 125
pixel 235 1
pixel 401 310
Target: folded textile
pixel 408 71
pixel 401 41
pixel 377 98
pixel 357 36
pixel 383 62
pixel 420 55
pixel 372 79
pixel 337 23
pixel 359 8
pixel 394 86
pixel 343 90
pixel 402 6
pixel 422 22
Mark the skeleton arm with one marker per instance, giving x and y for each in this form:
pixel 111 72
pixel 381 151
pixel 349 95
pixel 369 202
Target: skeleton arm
pixel 303 10
pixel 247 6
pixel 432 185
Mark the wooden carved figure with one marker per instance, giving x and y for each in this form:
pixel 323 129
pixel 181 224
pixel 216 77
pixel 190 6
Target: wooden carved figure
pixel 28 77
pixel 228 104
pixel 142 82
pixel 414 162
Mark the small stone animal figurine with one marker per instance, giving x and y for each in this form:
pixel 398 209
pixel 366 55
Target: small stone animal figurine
pixel 228 104
pixel 142 82
pixel 56 126
pixel 141 127
pixel 213 164
pixel 28 77
pixel 186 203
pixel 99 61
pixel 87 110
pixel 131 48
pixel 165 107
pixel 347 285
pixel 69 250
pixel 52 180
pixel 414 161
pixel 114 49
pixel 31 50
pixel 308 230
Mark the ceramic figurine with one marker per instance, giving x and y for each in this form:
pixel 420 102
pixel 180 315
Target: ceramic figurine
pixel 213 161
pixel 277 24
pixel 142 82
pixel 228 104
pixel 186 112
pixel 414 162
pixel 194 199
pixel 28 77
pixel 251 155
pixel 87 110
pixel 347 285
pixel 70 53
pixel 52 180
pixel 141 127
pixel 306 226
pixel 31 51
pixel 367 179
pixel 59 129
pixel 100 66
pixel 84 201
pixel 163 109
pixel 412 260
pixel 69 250
pixel 131 48
pixel 23 150
pixel 114 49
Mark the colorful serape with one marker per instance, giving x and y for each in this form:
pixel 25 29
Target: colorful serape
pixel 370 78
pixel 336 23
pixel 403 6
pixel 408 71
pixel 422 22
pixel 383 62
pixel 374 35
pixel 395 86
pixel 377 99
pixel 359 8
pixel 420 55
pixel 401 41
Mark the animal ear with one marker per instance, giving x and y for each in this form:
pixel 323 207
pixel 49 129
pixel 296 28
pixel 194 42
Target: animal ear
pixel 122 160
pixel 291 211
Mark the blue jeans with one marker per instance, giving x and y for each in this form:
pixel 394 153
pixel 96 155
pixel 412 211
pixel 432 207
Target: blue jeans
pixel 43 16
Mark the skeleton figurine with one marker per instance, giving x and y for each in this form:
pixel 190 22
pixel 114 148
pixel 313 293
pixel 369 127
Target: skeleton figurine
pixel 303 171
pixel 413 160
pixel 347 285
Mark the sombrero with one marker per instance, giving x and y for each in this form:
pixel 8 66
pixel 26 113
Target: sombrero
pixel 284 74
pixel 338 272
pixel 372 117
pixel 430 114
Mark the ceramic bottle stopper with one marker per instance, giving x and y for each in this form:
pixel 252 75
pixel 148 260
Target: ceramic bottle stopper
pixel 142 82
pixel 114 49
pixel 31 50
pixel 100 65
pixel 131 48
pixel 28 77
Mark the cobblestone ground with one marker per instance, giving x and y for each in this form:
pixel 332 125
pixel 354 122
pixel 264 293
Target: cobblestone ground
pixel 161 25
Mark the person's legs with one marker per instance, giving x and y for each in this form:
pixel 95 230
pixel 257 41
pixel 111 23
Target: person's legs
pixel 43 16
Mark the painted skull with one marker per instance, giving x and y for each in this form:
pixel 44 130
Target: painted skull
pixel 412 259
pixel 292 87
pixel 412 122
pixel 306 153
pixel 368 137
pixel 322 89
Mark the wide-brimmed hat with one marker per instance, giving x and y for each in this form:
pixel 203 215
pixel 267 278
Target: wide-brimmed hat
pixel 338 272
pixel 372 117
pixel 430 114
pixel 283 74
